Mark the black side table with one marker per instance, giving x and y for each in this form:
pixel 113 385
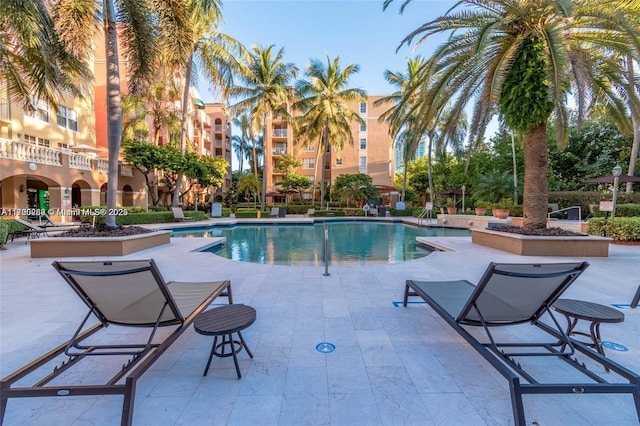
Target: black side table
pixel 575 310
pixel 224 321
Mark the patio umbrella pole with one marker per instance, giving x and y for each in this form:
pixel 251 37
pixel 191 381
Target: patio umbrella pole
pixel 325 249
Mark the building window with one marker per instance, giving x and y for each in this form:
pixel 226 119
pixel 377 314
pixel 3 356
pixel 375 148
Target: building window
pixel 363 126
pixel 363 163
pixel 63 145
pixel 363 143
pixel 338 161
pixel 363 107
pixel 310 147
pixel 42 110
pixel 68 118
pixel 308 163
pixel 37 141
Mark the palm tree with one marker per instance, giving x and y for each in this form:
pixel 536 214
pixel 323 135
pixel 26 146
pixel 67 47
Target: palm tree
pixel 192 42
pixel 403 126
pixel 514 56
pixel 34 59
pixel 249 184
pixel 75 21
pixel 326 114
pixel 265 94
pixel 241 142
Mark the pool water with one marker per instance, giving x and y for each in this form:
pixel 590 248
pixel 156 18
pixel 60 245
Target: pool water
pixel 349 243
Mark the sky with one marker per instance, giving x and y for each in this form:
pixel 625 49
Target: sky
pixel 358 31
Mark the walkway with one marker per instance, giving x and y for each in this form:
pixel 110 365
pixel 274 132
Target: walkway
pixel 391 365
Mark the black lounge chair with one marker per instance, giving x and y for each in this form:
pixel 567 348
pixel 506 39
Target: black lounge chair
pixel 122 293
pixel 28 229
pixel 509 294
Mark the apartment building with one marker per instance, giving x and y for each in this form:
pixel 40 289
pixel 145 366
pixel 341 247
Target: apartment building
pixel 371 154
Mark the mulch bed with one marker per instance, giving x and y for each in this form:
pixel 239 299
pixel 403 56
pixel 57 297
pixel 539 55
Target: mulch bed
pixel 545 232
pixel 89 231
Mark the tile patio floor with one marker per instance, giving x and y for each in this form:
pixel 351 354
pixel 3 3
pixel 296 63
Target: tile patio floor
pixel 391 366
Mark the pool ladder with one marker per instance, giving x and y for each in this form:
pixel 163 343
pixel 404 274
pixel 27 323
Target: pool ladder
pixel 422 215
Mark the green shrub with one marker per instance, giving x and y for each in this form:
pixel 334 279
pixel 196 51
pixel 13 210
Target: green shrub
pixel 620 228
pixel 4 231
pixel 142 218
pixel 246 212
pixel 324 213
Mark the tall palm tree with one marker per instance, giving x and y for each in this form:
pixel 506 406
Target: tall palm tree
pixel 327 116
pixel 264 92
pixel 132 29
pixel 192 43
pixel 514 56
pixel 402 119
pixel 241 142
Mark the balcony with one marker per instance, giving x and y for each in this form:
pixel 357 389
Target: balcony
pixel 79 161
pixel 15 150
pixel 126 170
pixel 218 128
pixel 102 165
pixel 279 133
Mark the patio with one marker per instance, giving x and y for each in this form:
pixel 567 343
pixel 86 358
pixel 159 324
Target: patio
pixel 391 365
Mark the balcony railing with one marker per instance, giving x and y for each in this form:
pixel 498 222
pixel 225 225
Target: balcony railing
pixel 29 152
pixel 79 161
pixel 102 165
pixel 126 170
pixel 280 133
pixel 218 127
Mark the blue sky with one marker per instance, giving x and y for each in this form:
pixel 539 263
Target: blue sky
pixel 356 30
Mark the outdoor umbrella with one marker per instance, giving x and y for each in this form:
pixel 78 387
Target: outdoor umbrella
pixel 84 148
pixel 609 179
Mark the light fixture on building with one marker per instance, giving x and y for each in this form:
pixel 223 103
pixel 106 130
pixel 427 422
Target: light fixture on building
pixel 67 191
pixel 21 188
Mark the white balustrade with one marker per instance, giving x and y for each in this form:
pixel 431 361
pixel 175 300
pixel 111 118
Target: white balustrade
pixel 79 161
pixel 28 152
pixel 126 170
pixel 102 165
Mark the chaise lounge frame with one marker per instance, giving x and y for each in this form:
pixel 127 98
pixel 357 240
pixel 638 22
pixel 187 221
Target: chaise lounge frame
pixel 476 312
pixel 140 356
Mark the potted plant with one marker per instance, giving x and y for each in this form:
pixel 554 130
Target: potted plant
pixel 450 205
pixel 501 209
pixel 481 207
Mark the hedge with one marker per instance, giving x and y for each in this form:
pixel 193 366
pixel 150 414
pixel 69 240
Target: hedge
pixel 620 228
pixel 142 218
pixel 4 230
pixel 245 212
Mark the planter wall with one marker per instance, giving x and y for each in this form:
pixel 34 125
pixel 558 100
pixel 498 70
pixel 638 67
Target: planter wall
pixel 99 246
pixel 527 245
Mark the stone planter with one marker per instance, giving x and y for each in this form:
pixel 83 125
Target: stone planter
pixel 528 245
pixel 99 246
pixel 452 210
pixel 481 211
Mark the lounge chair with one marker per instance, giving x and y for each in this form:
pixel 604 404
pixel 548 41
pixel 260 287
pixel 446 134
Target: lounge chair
pixel 274 212
pixel 121 293
pixel 282 212
pixel 310 212
pixel 30 230
pixel 178 215
pixel 509 294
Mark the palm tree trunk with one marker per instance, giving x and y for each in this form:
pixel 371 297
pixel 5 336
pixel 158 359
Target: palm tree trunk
pixel 315 170
pixel 324 144
pixel 634 107
pixel 183 125
pixel 114 109
pixel 536 188
pixel 429 167
pixel 266 155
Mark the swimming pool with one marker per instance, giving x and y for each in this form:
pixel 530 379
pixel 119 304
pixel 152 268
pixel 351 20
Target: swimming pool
pixel 350 243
